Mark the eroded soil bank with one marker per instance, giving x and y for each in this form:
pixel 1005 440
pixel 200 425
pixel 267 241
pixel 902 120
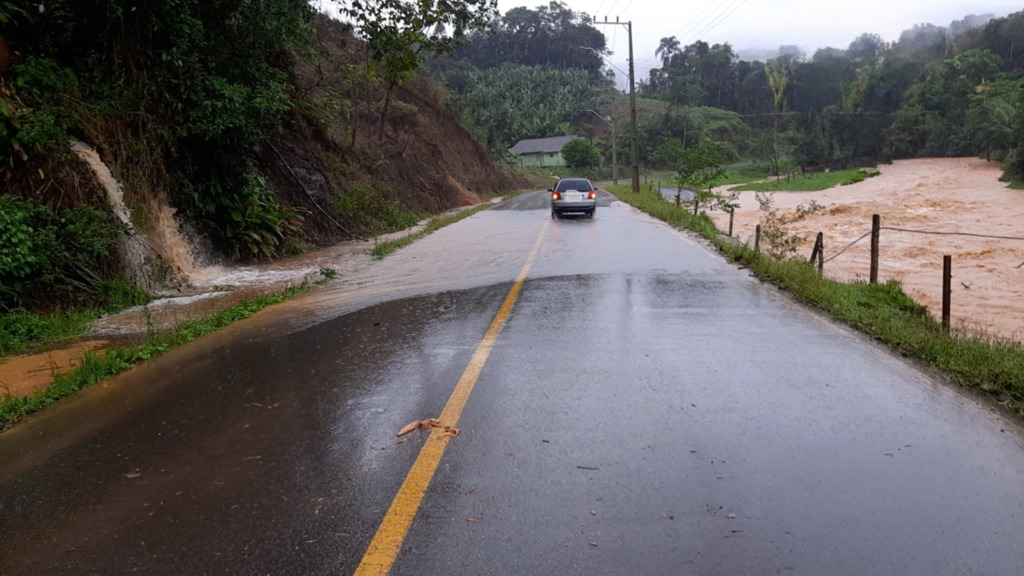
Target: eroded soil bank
pixel 935 195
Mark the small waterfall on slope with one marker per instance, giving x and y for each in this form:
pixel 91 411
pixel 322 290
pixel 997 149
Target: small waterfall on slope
pixel 153 258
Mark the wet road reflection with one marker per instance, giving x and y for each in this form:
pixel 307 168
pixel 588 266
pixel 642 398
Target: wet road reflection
pixel 644 397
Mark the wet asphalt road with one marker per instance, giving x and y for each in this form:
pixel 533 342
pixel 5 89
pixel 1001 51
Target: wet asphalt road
pixel 648 409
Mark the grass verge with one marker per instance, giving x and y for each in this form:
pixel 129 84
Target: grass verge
pixel 812 183
pixel 382 249
pixel 21 331
pixel 882 311
pixel 97 367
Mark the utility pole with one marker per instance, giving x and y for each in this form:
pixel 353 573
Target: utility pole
pixel 632 102
pixel 615 149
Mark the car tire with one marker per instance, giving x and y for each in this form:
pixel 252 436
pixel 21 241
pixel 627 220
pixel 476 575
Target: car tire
pixel 554 214
pixel 590 214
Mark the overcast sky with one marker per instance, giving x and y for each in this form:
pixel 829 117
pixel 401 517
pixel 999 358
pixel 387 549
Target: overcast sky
pixel 749 24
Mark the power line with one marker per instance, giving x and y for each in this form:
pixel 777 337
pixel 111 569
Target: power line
pixel 721 19
pixel 626 7
pixel 699 20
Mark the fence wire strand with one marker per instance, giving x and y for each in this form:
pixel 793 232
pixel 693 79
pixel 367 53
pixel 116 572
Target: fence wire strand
pixel 850 245
pixel 952 233
pixel 990 236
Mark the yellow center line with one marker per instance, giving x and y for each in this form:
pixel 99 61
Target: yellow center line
pixel 386 543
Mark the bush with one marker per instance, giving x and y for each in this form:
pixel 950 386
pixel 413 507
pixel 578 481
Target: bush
pixel 44 254
pixel 255 226
pixel 372 209
pixel 580 154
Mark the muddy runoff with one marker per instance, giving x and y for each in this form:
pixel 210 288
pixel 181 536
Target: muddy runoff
pixel 935 195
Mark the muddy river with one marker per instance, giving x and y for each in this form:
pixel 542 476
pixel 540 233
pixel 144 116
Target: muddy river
pixel 961 195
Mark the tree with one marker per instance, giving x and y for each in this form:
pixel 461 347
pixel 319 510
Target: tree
pixel 667 48
pixel 699 169
pixel 397 32
pixel 580 154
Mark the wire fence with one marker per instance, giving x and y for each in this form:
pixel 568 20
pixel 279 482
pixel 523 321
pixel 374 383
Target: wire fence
pixel 928 232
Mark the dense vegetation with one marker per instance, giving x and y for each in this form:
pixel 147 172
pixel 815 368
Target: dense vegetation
pixel 264 124
pixel 533 73
pixel 935 92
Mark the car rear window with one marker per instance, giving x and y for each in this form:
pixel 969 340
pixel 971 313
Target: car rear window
pixel 574 184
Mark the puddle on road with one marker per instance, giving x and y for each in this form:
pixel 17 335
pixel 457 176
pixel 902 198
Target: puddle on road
pixel 940 195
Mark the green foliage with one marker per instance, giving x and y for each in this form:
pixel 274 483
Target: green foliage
pixel 549 36
pixel 700 167
pixel 512 102
pixel 776 241
pixel 200 82
pixel 20 330
pixel 256 226
pixel 669 154
pixel 810 183
pixel 43 253
pixel 580 154
pixel 31 117
pixel 372 208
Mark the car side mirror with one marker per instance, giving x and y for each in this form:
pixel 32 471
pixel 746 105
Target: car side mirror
pixel 550 190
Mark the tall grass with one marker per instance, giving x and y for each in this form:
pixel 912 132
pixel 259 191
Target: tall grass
pixel 21 330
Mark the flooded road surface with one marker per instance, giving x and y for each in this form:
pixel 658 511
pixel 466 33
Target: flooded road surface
pixel 647 409
pixel 935 195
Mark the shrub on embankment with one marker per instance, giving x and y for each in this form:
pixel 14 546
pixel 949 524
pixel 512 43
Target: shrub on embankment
pixel 57 259
pixel 882 311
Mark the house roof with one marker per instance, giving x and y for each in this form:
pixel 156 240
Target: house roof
pixel 541 145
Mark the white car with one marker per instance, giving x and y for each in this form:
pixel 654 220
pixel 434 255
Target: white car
pixel 573 195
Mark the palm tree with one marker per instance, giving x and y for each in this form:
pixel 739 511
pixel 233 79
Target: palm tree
pixel 667 48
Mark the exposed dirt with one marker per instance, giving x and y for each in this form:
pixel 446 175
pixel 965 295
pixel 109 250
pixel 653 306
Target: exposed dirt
pixel 421 155
pixel 22 375
pixel 936 195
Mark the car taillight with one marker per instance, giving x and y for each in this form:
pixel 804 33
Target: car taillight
pixel 556 195
pixel 592 195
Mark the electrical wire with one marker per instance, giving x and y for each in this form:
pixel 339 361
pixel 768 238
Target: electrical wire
pixel 699 20
pixel 721 19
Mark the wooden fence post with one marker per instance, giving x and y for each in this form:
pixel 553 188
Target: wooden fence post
pixel 821 253
pixel 757 239
pixel 876 226
pixel 732 212
pixel 947 281
pixel 818 253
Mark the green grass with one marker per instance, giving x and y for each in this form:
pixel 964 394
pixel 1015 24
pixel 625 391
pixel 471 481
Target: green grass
pixel 812 183
pixel 95 367
pixel 387 247
pixel 22 331
pixel 742 175
pixel 882 311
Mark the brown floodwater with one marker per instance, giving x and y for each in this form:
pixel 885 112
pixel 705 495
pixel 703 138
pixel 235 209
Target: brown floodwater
pixel 938 195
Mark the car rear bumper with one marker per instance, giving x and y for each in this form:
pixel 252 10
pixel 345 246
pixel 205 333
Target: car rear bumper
pixel 561 206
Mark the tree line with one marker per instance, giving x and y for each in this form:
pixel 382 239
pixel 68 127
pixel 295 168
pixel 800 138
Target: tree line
pixel 936 91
